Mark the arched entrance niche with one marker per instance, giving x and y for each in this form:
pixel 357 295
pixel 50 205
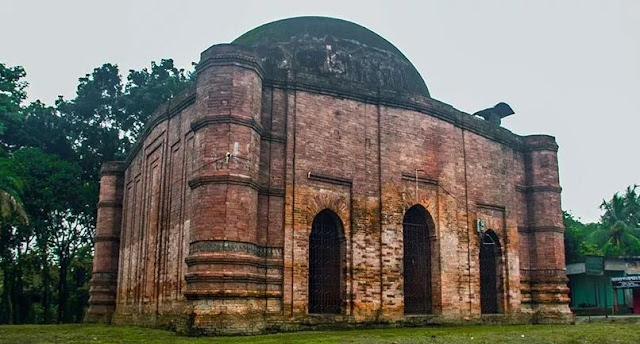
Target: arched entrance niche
pixel 326 252
pixel 490 273
pixel 417 227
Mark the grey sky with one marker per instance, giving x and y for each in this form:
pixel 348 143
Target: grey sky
pixel 570 69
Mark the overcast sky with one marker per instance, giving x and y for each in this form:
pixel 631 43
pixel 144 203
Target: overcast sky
pixel 568 68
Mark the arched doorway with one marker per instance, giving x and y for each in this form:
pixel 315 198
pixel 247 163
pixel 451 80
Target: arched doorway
pixel 490 271
pixel 417 226
pixel 325 264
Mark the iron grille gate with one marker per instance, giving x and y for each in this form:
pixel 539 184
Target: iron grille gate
pixel 489 288
pixel 417 263
pixel 324 266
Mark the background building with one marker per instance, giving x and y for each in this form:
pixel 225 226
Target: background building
pixel 591 294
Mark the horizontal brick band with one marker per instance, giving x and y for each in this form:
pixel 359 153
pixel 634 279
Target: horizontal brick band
pixel 273 138
pixel 102 302
pixel 538 188
pixel 271 192
pixel 223 179
pixel 103 238
pixel 104 276
pixel 256 261
pixel 329 179
pixel 224 277
pixel 109 204
pixel 231 294
pixel 234 246
pixel 226 119
pixel 540 229
pixel 535 276
pixel 109 285
pixel 431 107
pixel 425 180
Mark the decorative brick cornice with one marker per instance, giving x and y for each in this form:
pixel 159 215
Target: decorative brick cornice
pixel 427 106
pixel 234 246
pixel 534 143
pixel 226 119
pixel 491 206
pixel 230 55
pixel 236 60
pixel 223 179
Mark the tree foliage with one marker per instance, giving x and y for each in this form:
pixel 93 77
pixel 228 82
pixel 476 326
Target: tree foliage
pixel 50 157
pixel 616 234
pixel 12 94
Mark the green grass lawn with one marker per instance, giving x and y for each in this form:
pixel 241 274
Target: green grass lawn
pixel 583 333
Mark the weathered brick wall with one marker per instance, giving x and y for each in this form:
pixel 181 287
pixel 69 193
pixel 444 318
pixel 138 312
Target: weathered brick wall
pixel 342 138
pixel 220 194
pixel 156 219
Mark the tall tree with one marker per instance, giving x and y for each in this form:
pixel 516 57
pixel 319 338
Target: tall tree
pixel 56 152
pixel 619 233
pixel 95 119
pixel 12 215
pixel 54 197
pixel 574 237
pixel 146 90
pixel 41 126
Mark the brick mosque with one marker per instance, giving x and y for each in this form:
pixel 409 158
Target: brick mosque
pixel 308 178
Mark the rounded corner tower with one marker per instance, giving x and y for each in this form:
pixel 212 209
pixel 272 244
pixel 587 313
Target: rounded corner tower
pixel 290 185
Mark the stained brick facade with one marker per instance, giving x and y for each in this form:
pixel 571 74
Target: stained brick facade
pixel 206 226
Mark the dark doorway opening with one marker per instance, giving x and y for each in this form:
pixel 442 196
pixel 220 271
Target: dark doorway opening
pixel 325 264
pixel 490 282
pixel 417 226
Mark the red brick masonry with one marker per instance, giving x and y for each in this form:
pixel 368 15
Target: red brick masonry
pixel 206 226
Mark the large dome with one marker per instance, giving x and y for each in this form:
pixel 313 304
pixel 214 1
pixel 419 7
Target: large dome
pixel 335 55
